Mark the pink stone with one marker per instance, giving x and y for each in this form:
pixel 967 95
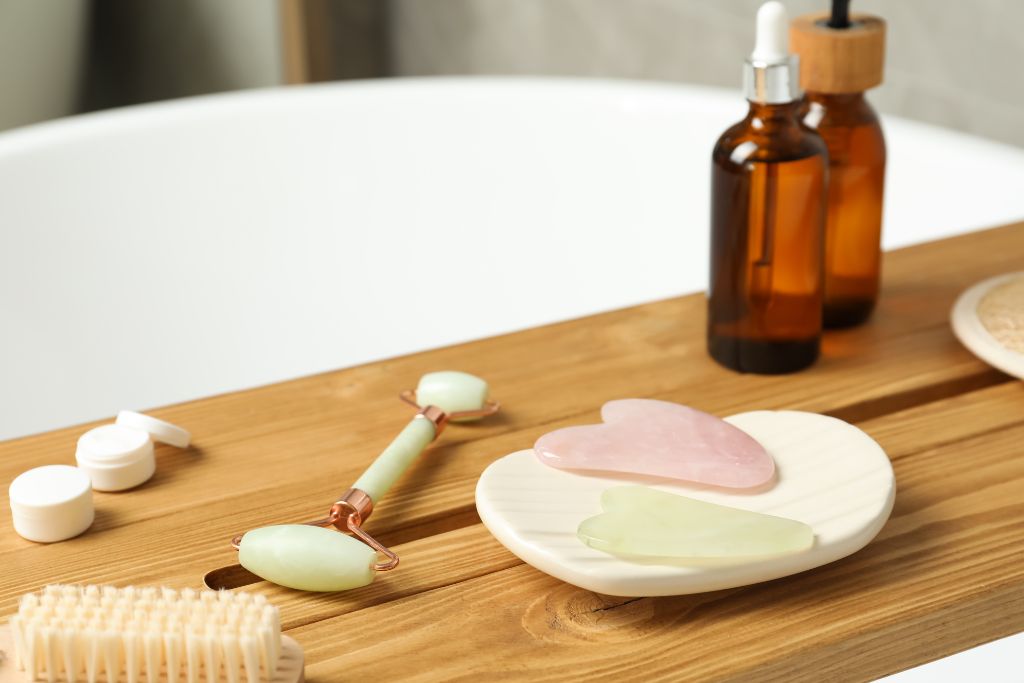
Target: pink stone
pixel 660 439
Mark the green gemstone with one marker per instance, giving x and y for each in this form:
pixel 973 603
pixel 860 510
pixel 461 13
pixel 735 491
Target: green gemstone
pixel 396 458
pixel 451 391
pixel 306 557
pixel 640 521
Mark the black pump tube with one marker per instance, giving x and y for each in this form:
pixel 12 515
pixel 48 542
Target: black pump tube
pixel 840 14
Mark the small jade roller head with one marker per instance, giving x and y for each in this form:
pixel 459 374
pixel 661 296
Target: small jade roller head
pixel 312 556
pixel 462 396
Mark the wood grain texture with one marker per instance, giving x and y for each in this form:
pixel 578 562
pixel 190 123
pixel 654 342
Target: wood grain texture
pixel 944 574
pixel 849 60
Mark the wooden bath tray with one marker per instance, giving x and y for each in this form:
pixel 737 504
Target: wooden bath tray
pixel 946 573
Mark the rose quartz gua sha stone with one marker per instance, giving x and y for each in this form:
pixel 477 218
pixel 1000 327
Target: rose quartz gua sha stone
pixel 660 439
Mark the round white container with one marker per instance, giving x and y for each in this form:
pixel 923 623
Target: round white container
pixel 51 503
pixel 116 457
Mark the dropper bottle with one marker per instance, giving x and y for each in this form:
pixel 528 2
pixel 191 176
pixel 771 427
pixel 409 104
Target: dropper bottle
pixel 768 188
pixel 841 57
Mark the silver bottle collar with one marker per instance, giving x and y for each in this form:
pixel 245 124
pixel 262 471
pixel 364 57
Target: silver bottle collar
pixel 772 82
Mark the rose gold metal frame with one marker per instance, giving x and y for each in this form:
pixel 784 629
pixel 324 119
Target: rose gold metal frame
pixel 490 408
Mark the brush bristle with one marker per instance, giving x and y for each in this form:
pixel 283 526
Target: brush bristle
pixel 146 635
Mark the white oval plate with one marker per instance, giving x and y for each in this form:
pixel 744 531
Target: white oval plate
pixel 971 332
pixel 830 475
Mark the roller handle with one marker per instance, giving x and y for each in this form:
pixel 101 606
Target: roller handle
pixel 396 458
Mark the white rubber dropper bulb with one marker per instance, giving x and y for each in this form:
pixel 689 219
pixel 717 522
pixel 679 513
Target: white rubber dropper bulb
pixel 772 43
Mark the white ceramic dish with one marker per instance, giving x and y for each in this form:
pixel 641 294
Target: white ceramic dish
pixel 831 476
pixel 971 332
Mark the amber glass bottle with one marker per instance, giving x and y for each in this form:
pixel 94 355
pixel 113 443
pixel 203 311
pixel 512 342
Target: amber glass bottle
pixel 842 55
pixel 768 185
pixel 853 224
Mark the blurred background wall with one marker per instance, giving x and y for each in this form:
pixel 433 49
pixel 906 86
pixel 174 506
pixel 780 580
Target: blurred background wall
pixel 951 63
pixel 160 49
pixel 41 59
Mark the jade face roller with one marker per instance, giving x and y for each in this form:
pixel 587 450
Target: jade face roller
pixel 314 557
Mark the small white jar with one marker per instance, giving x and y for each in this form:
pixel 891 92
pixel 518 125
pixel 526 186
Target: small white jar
pixel 51 503
pixel 120 456
pixel 116 457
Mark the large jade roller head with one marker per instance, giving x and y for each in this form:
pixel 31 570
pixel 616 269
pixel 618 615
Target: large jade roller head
pixel 314 556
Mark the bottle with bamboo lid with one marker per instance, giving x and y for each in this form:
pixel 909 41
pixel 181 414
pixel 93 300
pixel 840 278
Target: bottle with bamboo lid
pixel 841 56
pixel 768 184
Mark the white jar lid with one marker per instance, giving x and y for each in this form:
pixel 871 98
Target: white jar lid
pixel 51 503
pixel 161 431
pixel 116 457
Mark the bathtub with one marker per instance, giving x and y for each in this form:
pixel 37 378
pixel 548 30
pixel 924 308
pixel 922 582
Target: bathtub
pixel 160 253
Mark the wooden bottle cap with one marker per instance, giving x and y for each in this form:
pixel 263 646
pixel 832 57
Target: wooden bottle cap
pixel 838 60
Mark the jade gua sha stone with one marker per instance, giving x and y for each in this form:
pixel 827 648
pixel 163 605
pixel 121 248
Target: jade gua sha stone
pixel 660 439
pixel 641 521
